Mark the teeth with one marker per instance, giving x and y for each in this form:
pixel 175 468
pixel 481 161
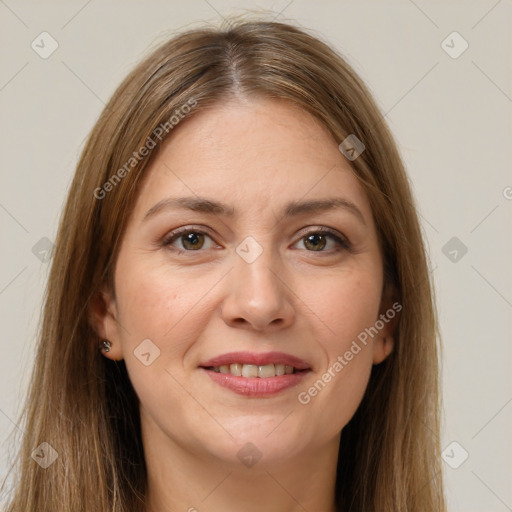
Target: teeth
pixel 268 370
pixel 249 370
pixel 236 369
pixel 252 370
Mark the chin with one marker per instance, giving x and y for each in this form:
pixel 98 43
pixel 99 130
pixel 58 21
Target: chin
pixel 259 440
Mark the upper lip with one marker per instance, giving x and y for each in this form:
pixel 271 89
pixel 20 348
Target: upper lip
pixel 259 359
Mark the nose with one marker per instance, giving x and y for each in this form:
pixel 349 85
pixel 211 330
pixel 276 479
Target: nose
pixel 258 296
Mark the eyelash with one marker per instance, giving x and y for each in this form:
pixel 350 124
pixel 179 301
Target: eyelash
pixel 343 243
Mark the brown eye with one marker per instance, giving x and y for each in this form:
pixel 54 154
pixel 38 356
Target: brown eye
pixel 189 241
pixel 318 241
pixel 315 242
pixel 193 240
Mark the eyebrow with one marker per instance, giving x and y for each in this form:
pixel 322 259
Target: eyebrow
pixel 292 209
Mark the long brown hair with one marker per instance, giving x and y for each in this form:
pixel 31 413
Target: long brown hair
pixel 83 405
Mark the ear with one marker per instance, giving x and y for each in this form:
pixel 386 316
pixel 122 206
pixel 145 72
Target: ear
pixel 386 324
pixel 103 319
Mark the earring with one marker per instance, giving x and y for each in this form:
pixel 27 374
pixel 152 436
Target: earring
pixel 105 346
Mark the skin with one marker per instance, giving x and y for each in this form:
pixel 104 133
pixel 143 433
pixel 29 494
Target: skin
pixel 309 300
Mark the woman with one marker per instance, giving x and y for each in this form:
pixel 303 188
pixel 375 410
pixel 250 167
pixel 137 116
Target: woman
pixel 239 314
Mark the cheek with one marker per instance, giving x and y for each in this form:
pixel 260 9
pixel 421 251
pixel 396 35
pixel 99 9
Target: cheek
pixel 159 303
pixel 346 310
pixel 344 307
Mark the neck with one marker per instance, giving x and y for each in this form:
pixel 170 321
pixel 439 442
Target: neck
pixel 188 480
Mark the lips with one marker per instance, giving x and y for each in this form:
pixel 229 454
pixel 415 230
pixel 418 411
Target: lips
pixel 256 359
pixel 256 375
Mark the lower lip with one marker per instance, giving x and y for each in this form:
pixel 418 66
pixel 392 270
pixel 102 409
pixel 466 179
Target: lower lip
pixel 255 386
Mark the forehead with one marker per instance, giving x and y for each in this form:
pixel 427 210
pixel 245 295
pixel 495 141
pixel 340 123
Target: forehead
pixel 251 154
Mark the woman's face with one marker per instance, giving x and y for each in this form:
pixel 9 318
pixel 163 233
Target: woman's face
pixel 226 263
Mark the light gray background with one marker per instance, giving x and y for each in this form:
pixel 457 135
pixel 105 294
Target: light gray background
pixel 451 118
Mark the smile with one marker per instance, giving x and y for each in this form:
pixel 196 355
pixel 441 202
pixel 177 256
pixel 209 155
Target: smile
pixel 255 371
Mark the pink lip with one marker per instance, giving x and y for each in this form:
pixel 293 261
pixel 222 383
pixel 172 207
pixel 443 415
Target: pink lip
pixel 255 386
pixel 258 359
